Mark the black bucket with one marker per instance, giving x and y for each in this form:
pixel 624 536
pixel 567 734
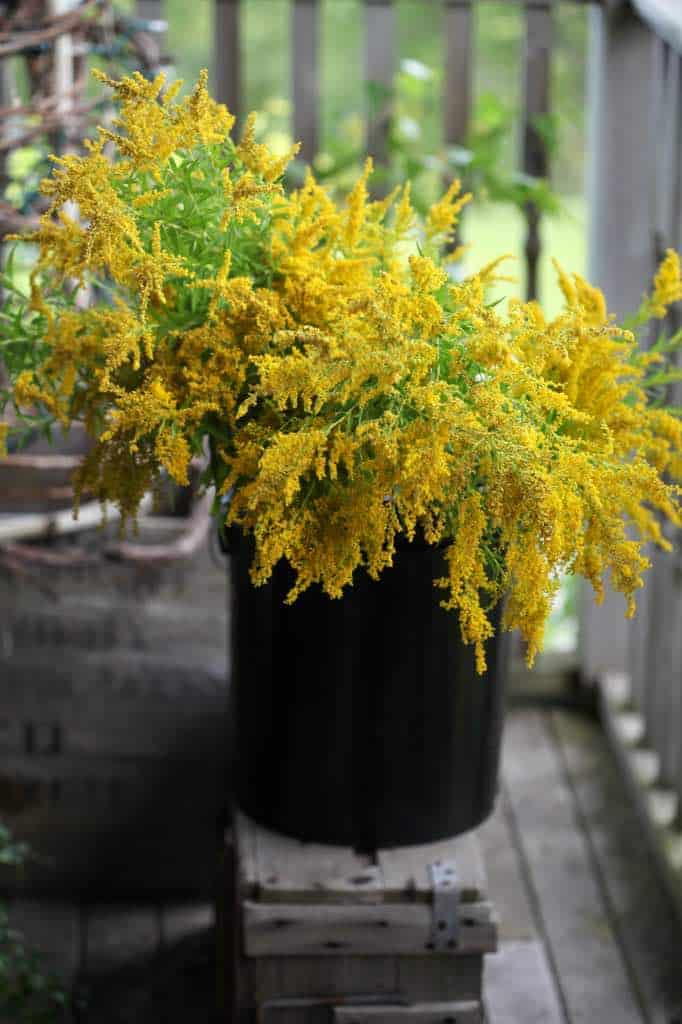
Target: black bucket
pixel 361 722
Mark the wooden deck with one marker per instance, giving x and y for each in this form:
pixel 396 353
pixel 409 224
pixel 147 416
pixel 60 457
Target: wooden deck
pixel 587 933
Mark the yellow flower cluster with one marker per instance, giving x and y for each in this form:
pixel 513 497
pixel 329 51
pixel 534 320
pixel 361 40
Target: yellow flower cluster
pixel 349 390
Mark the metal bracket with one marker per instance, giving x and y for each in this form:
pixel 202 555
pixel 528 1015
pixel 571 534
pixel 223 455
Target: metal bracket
pixel 445 920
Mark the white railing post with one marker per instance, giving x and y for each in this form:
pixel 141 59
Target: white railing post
pixel 621 236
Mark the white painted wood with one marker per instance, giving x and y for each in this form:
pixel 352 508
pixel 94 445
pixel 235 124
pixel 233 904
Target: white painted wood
pixel 272 929
pixel 405 869
pixel 518 986
pixel 621 63
pixel 35 524
pixel 419 1013
pixel 664 17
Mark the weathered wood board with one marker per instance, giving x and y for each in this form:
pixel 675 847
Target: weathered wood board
pixel 324 927
pixel 575 919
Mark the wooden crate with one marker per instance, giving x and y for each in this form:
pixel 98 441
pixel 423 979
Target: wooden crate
pixel 311 934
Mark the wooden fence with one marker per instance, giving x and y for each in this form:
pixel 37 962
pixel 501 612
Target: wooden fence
pixel 456 21
pixel 636 200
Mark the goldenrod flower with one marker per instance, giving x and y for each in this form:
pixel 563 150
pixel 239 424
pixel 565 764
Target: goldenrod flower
pixel 348 394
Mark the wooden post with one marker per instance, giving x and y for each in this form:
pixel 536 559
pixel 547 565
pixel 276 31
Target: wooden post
pixel 458 71
pixel 153 11
pixel 306 80
pixel 621 247
pixel 536 102
pixel 227 55
pixel 379 64
pixel 457 98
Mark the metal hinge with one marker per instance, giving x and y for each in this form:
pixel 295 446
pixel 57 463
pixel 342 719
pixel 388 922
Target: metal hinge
pixel 445 920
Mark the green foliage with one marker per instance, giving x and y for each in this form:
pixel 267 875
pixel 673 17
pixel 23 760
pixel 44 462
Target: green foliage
pixel 413 99
pixel 29 993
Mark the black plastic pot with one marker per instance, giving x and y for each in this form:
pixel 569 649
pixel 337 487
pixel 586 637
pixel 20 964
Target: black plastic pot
pixel 362 721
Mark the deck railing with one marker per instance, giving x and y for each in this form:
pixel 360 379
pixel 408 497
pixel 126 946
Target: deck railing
pixel 636 194
pixel 456 21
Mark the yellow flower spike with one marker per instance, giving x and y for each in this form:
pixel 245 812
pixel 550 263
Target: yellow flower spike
pixel 667 285
pixel 4 433
pixel 567 286
pixel 356 207
pixel 349 394
pixel 404 215
pixel 443 216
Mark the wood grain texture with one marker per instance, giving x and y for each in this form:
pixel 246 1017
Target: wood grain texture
pixel 284 869
pixel 272 929
pixel 415 979
pixel 405 869
pixel 281 868
pixel 576 923
pixel 644 920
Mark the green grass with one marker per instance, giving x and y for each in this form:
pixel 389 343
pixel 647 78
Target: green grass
pixel 491 229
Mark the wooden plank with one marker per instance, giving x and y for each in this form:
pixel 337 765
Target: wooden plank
pixel 458 71
pixel 417 978
pixel 284 869
pixel 418 1013
pixel 405 869
pixel 227 55
pixel 332 930
pixel 574 919
pixel 536 103
pixel 621 74
pixel 645 922
pixel 440 977
pixel 518 986
pixel 506 884
pixel 379 69
pixel 332 978
pixel 664 18
pixel 118 936
pixel 306 76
